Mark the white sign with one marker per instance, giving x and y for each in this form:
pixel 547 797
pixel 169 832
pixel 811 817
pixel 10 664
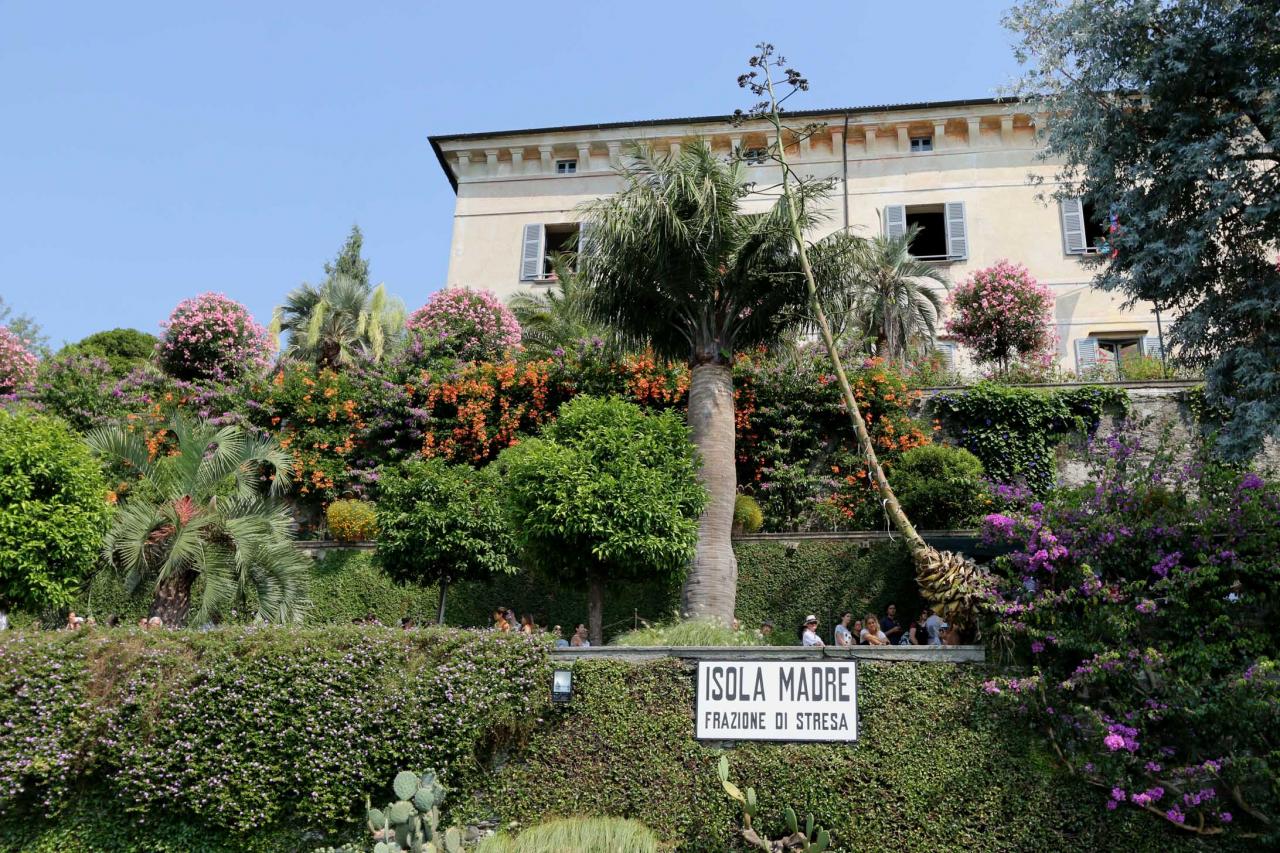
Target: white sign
pixel 777 700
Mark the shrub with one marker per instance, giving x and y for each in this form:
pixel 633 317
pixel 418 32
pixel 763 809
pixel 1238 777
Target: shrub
pixel 747 516
pixel 939 487
pixel 352 521
pixel 1145 604
pixel 579 834
pixel 212 337
pixel 1140 367
pixel 472 325
pixel 17 363
pixel 441 524
pixel 1002 314
pixel 78 388
pixel 123 349
pixel 693 632
pixel 53 510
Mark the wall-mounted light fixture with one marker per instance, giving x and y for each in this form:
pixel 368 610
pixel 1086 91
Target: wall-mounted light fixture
pixel 561 685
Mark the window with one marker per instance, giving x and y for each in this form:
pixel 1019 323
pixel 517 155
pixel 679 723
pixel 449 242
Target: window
pixel 755 156
pixel 921 143
pixel 1082 232
pixel 1108 351
pixel 943 234
pixel 566 167
pixel 540 242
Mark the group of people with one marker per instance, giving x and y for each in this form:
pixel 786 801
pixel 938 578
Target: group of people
pixel 928 629
pixel 504 619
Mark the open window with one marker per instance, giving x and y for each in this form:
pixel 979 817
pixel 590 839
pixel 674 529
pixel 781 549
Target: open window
pixel 944 233
pixel 1082 232
pixel 541 241
pixel 1107 351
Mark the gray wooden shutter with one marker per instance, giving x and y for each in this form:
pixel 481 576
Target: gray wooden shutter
pixel 947 350
pixel 1072 226
pixel 585 230
pixel 895 220
pixel 1151 347
pixel 531 257
pixel 1086 354
pixel 957 232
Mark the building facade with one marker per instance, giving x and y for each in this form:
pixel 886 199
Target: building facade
pixel 967 172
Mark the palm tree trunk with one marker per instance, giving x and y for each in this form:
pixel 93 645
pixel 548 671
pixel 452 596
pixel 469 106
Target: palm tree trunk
pixel 172 601
pixel 711 590
pixel 444 591
pixel 595 609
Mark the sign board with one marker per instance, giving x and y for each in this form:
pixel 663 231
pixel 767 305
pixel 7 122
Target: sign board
pixel 777 700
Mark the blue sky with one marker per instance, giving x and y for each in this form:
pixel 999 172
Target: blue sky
pixel 153 151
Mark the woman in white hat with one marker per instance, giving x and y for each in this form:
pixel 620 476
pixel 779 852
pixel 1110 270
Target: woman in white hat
pixel 810 636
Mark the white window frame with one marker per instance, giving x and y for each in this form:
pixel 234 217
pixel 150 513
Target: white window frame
pixel 755 156
pixel 534 240
pixel 921 144
pixel 954 220
pixel 567 167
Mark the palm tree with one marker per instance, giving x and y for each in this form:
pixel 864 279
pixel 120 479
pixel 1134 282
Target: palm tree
pixel 341 320
pixel 209 511
pixel 674 263
pixel 878 289
pixel 557 317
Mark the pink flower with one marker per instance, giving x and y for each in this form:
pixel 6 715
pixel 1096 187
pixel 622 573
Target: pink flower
pixel 1113 742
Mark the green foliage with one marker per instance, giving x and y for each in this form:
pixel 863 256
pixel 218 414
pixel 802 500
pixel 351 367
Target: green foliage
pixel 1013 431
pixel 1139 367
pixel 24 326
pixel 352 521
pixel 940 487
pixel 693 632
pixel 747 515
pixel 77 388
pixel 579 834
pixel 243 729
pixel 53 510
pixel 936 767
pixel 442 523
pixel 347 586
pixel 123 349
pixel 783 584
pixel 350 262
pixel 1189 171
pixel 1003 315
pixel 209 509
pixel 607 492
pixel 412 822
pixel 339 322
pixel 814 839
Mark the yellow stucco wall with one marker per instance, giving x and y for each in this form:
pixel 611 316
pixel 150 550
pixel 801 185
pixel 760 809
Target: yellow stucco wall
pixel 985 157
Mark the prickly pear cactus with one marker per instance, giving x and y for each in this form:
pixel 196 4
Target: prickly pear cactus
pixel 409 823
pixel 812 840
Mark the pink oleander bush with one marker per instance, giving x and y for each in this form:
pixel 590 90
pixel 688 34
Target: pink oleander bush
pixel 1145 605
pixel 1005 317
pixel 472 325
pixel 17 363
pixel 212 337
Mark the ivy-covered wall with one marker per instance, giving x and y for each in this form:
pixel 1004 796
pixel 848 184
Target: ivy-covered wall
pixel 247 739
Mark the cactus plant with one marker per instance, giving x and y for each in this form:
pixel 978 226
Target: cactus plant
pixel 410 823
pixel 812 840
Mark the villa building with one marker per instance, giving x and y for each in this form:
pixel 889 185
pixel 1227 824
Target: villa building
pixel 962 170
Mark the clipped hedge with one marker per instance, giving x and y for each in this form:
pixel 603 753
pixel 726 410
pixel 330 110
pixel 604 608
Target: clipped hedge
pixel 938 767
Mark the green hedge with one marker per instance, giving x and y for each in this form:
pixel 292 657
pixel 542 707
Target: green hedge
pixel 268 739
pixel 938 767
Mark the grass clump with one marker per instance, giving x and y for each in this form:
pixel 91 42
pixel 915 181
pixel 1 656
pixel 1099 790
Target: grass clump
pixel 581 834
pixel 694 632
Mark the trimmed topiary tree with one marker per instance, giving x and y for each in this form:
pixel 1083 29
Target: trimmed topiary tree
pixel 442 523
pixel 1003 315
pixel 53 511
pixel 607 492
pixel 472 325
pixel 123 349
pixel 212 337
pixel 17 363
pixel 940 487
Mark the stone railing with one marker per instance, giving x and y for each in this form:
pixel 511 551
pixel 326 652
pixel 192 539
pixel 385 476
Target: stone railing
pixel 891 654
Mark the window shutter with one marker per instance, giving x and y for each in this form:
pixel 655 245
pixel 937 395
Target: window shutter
pixel 895 220
pixel 585 231
pixel 1151 347
pixel 1072 226
pixel 957 232
pixel 531 257
pixel 947 350
pixel 1086 354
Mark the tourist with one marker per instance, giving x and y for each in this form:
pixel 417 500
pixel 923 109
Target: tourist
pixel 809 636
pixel 500 622
pixel 919 634
pixel 857 630
pixel 580 638
pixel 512 621
pixel 766 629
pixel 155 622
pixel 935 626
pixel 844 637
pixel 889 624
pixel 871 634
pixel 526 625
pixel 561 642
